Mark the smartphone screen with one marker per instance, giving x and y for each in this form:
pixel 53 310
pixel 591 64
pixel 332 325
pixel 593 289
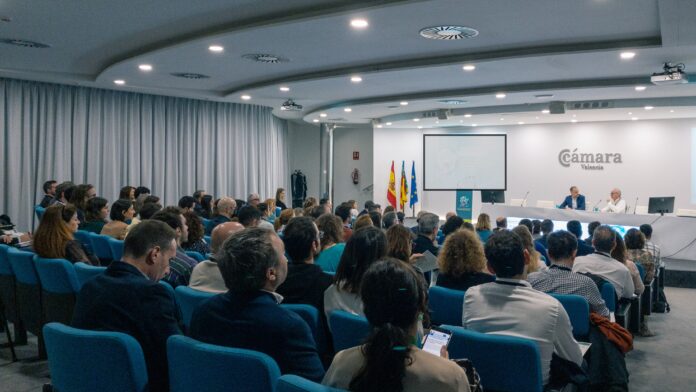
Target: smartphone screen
pixel 435 340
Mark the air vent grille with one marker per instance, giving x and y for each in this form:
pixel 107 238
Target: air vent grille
pixel 24 43
pixel 448 32
pixel 190 75
pixel 589 105
pixel 265 58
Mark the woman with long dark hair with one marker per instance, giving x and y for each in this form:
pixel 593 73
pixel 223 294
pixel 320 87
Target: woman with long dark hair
pixel 391 360
pixel 96 214
pixel 54 238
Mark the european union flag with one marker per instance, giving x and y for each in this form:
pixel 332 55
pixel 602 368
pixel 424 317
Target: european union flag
pixel 414 191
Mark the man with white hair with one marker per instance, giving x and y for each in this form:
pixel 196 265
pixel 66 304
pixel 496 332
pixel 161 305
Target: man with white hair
pixel 254 199
pixel 616 203
pixel 225 209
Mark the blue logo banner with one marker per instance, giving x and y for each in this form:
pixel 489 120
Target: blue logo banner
pixel 463 203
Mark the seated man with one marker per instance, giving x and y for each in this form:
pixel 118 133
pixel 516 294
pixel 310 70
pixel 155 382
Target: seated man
pixel 206 275
pixel 510 306
pixel 226 207
pixel 181 264
pixel 575 228
pixel 574 201
pixel 501 223
pixel 561 279
pixel 427 232
pixel 128 298
pixel 603 265
pixel 253 265
pixel 49 188
pixel 615 203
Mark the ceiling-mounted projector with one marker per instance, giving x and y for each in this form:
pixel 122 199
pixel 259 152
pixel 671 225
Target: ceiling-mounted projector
pixel 290 106
pixel 673 74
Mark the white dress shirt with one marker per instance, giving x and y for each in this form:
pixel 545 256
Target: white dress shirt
pixel 609 269
pixel 615 206
pixel 206 276
pixel 512 307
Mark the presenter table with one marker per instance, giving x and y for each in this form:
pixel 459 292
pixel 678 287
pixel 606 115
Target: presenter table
pixel 676 236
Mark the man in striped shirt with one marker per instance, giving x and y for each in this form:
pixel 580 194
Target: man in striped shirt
pixel 654 250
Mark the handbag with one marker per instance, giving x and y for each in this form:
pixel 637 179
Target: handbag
pixel 614 332
pixel 471 374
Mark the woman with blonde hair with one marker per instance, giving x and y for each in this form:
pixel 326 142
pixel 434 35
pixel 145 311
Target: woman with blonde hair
pixel 483 227
pixel 54 238
pixel 535 263
pixel 462 262
pixel 283 219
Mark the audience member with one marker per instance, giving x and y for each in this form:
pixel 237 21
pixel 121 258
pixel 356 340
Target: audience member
pixel 468 226
pixel 635 245
pixel 152 199
pixel 535 262
pixel 389 220
pixel 79 196
pixel 266 210
pixel 400 216
pixel 283 219
pixel 427 233
pixel 310 202
pixel 450 214
pixel 280 198
pixel 206 207
pixel 54 238
pixel 49 188
pixel 195 241
pixel 452 224
pixel 362 221
pixel 95 216
pixel 253 265
pixel 376 219
pixel 364 247
pixel 575 228
pixel 181 265
pixel 462 262
pixel 590 231
pixel 621 255
pixel 602 265
pixel 536 229
pixel 343 212
pixel 198 196
pixel 127 298
pixel 327 204
pixel 546 229
pixel 332 244
pixel 483 227
pixel 253 199
pixel 400 244
pixel 148 210
pixel 298 211
pixel 128 193
pixel 368 205
pixel 388 209
pixel 206 275
pixel 654 250
pixel 122 212
pixel 63 191
pixel 390 359
pixel 141 193
pixel 510 306
pixel 501 223
pixel 249 216
pixel 226 207
pixel 187 203
pixel 561 279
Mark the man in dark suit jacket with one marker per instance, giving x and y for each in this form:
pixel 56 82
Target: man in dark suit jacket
pixel 253 265
pixel 574 196
pixel 49 188
pixel 128 298
pixel 575 228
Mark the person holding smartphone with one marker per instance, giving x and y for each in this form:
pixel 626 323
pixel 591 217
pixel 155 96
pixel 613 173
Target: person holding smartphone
pixel 391 359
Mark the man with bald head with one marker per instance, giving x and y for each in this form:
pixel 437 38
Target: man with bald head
pixel 225 209
pixel 615 203
pixel 206 275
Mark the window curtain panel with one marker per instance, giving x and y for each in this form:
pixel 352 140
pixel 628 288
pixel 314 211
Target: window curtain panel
pixel 110 139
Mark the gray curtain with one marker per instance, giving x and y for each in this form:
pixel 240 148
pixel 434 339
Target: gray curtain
pixel 111 139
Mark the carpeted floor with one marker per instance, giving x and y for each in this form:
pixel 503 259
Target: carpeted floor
pixel 662 363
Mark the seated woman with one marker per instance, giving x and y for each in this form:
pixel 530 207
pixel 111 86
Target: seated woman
pixel 54 239
pixel 332 244
pixel 462 262
pixel 364 247
pixel 283 220
pixel 390 359
pixel 128 193
pixel 195 242
pixel 535 262
pixel 635 244
pixel 483 227
pixel 79 197
pixel 96 214
pixel 122 212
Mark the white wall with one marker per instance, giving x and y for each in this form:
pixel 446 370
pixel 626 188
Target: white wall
pixel 347 140
pixel 303 154
pixel 656 161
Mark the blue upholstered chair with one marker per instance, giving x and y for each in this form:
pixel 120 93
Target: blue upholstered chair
pixel 208 239
pixel 116 248
pixel 195 255
pixel 311 316
pixel 579 313
pixel 188 299
pixel 28 290
pixel 59 287
pixel 8 303
pixel 293 383
pixel 641 271
pixel 39 211
pixel 196 366
pixel 101 247
pixel 609 296
pixel 85 272
pixel 446 305
pixel 85 238
pixel 88 361
pixel 348 330
pixel 505 363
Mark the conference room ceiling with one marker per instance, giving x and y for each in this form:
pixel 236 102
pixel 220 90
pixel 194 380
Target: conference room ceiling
pixel 567 49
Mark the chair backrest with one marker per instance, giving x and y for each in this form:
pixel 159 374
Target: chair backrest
pixel 101 246
pixel 348 330
pixel 84 237
pixel 493 355
pixel 116 248
pixel 446 305
pixel 609 296
pixel 5 267
pixel 578 311
pixel 641 271
pixel 56 275
pixel 195 255
pixel 310 315
pixel 39 211
pixel 188 299
pixel 293 383
pixel 81 360
pixel 85 272
pixel 208 239
pixel 23 267
pixel 545 204
pixel 196 366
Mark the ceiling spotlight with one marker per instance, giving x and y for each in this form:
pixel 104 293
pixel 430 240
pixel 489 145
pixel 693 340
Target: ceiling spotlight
pixel 671 111
pixel 537 117
pixel 379 126
pixel 546 111
pixel 284 89
pixel 573 120
pixel 649 107
pixel 520 123
pixel 355 79
pixel 246 97
pixel 145 67
pixel 500 95
pixel 629 113
pixel 315 120
pixel 420 127
pixel 640 88
pixel 634 118
pixel 322 114
pixel 473 125
pixel 416 119
pixel 469 67
pixel 347 110
pixel 502 119
pixel 437 122
pixel 216 48
pixel 359 23
pixel 120 82
pixel 389 123
pixel 467 115
pixel 627 55
pixel 403 103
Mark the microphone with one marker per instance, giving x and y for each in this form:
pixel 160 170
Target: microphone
pixel 524 201
pixel 595 206
pixel 635 207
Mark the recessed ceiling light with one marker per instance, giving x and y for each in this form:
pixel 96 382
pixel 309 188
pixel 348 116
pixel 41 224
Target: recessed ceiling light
pixel 543 96
pixel 502 119
pixel 403 103
pixel 359 23
pixel 389 123
pixel 469 67
pixel 627 55
pixel 347 110
pixel 520 123
pixel 322 114
pixel 500 95
pixel 246 97
pixel 437 122
pixel 640 88
pixel 649 107
pixel 629 113
pixel 537 117
pixel 420 127
pixel 634 118
pixel 573 120
pixel 379 125
pixel 216 48
pixel 473 125
pixel 355 79
pixel 467 115
pixel 315 120
pixel 416 119
pixel 145 67
pixel 671 111
pixel 120 82
pixel 284 89
pixel 546 111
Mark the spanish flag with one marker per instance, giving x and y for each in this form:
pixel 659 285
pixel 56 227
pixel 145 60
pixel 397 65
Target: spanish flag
pixel 403 192
pixel 391 191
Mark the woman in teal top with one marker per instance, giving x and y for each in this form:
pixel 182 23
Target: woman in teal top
pixel 332 245
pixel 483 227
pixel 95 216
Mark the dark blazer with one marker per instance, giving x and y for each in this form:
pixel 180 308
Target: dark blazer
pixel 568 202
pixel 423 243
pixel 584 249
pixel 124 300
pixel 255 321
pixel 214 221
pixel 305 284
pixel 465 281
pixel 46 201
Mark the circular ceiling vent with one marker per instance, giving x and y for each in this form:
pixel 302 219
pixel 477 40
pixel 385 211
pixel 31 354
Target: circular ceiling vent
pixel 265 58
pixel 24 43
pixel 453 101
pixel 190 75
pixel 448 32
